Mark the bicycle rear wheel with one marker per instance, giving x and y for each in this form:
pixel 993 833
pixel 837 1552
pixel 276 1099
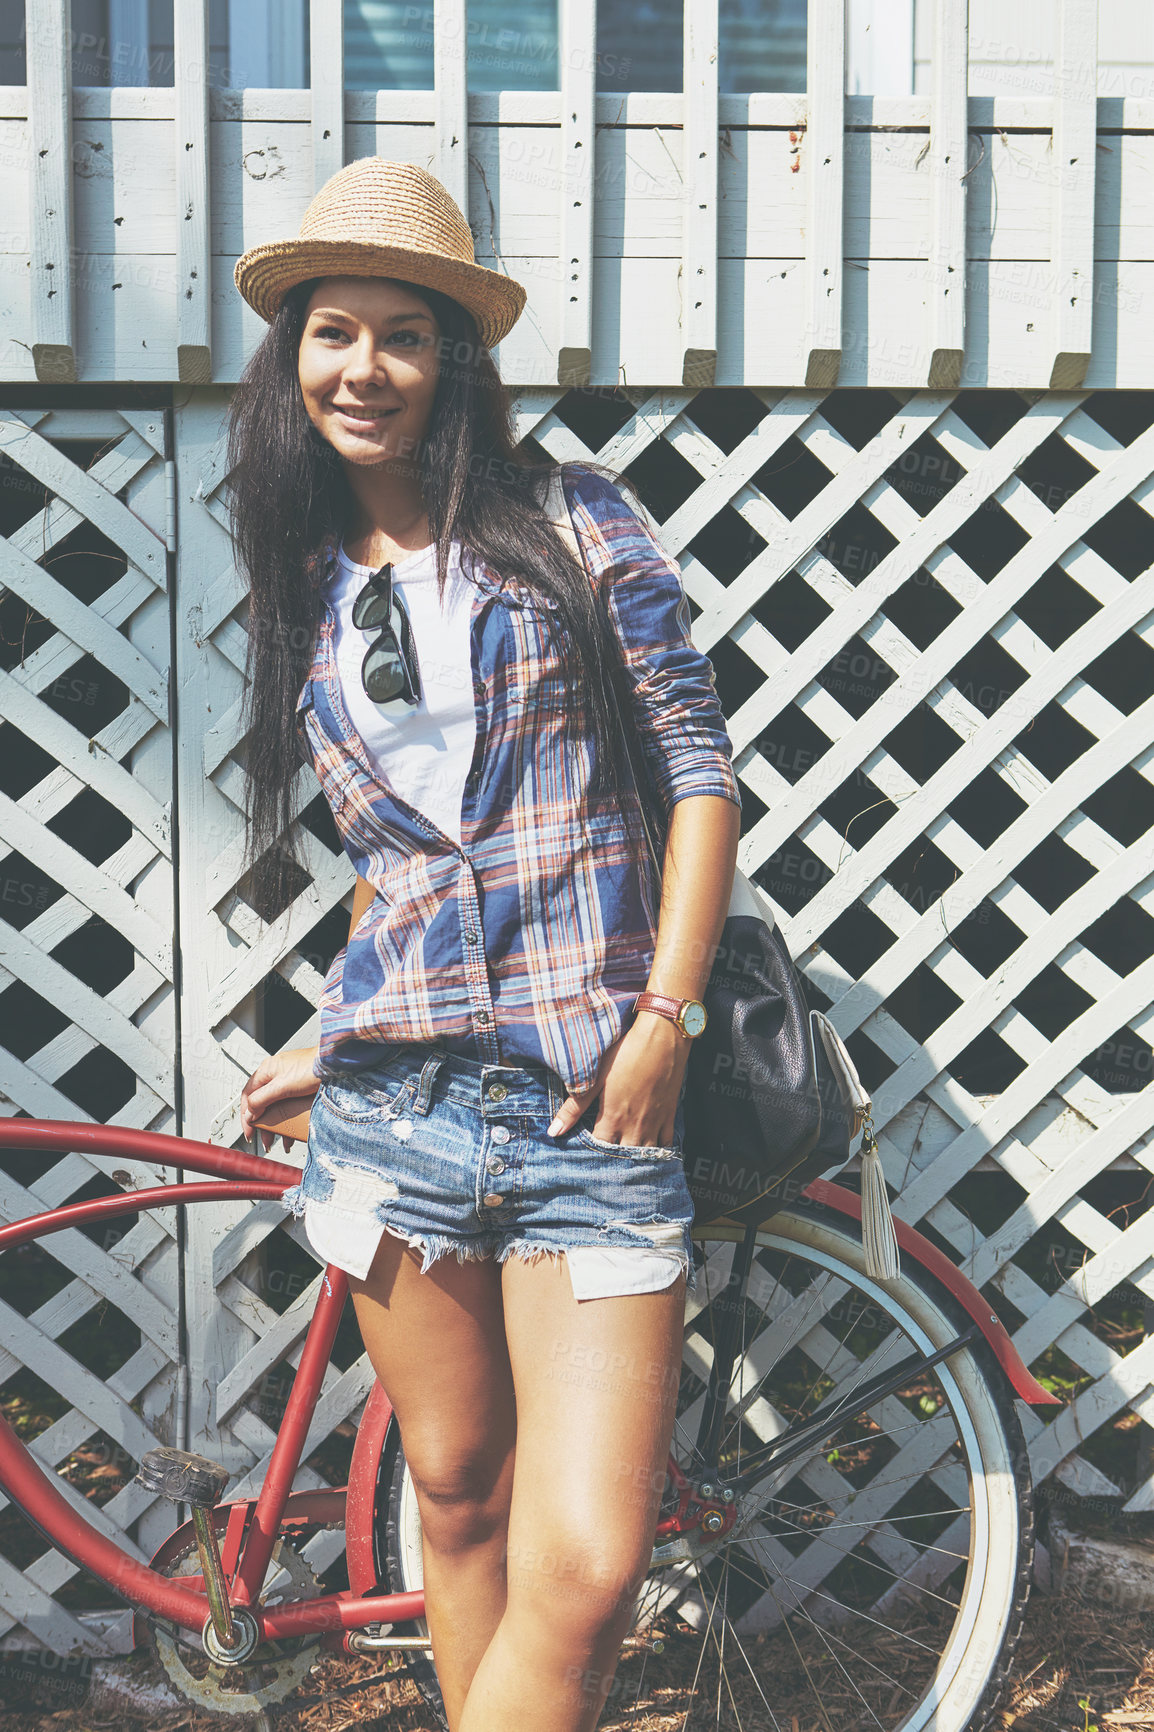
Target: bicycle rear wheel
pixel 878 1578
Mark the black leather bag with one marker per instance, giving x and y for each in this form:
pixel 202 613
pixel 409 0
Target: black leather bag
pixel 764 1110
pixel 772 1096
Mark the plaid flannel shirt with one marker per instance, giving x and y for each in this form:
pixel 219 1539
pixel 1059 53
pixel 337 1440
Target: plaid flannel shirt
pixel 529 941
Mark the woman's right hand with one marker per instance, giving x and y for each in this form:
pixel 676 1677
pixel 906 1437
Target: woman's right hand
pixel 276 1078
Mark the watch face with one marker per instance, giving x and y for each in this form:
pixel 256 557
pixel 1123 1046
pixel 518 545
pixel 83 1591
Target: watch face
pixel 693 1018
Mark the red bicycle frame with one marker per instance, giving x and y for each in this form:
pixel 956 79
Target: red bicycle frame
pixel 253 1524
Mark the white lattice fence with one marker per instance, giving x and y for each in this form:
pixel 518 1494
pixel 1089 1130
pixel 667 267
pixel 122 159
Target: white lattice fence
pixel 86 998
pixel 931 619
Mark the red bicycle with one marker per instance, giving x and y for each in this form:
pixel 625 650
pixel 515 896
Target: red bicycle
pixel 846 1533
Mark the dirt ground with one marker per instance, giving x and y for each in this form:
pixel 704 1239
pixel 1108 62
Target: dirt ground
pixel 1080 1668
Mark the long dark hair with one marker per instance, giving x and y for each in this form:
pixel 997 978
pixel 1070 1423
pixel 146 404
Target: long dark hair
pixel 289 491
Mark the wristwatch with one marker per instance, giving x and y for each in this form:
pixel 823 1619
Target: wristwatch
pixel 688 1013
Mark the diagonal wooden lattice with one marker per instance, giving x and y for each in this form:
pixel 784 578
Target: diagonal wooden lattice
pixel 716 469
pixel 915 606
pixel 86 999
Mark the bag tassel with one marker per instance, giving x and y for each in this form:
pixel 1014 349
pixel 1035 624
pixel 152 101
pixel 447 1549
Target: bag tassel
pixel 879 1240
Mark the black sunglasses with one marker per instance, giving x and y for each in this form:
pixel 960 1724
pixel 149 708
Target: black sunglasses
pixel 390 668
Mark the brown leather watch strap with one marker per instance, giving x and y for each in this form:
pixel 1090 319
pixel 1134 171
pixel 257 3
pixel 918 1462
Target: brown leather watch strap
pixel 660 1002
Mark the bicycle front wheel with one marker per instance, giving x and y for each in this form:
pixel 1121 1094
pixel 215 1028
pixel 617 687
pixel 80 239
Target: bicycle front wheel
pixel 871 1571
pixel 877 1576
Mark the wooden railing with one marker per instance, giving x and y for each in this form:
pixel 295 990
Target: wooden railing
pixel 738 260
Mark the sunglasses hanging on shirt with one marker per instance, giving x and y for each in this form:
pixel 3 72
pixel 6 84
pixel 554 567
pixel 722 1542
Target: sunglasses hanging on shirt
pixel 390 668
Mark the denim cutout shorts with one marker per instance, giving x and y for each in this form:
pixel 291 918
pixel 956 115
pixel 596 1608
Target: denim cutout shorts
pixel 451 1154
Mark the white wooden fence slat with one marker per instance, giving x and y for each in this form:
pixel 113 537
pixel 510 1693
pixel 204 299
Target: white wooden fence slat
pixel 1102 629
pixel 89 883
pixel 824 151
pixel 27 1604
pixel 50 218
pixel 1090 1284
pixel 326 95
pixel 1075 159
pixel 86 494
pixel 984 1006
pixel 87 1392
pixel 450 162
pixel 89 766
pixel 193 216
pixel 919 416
pixel 1091 1156
pixel 44 594
pixel 77 1298
pixel 282 1335
pixel 1065 1051
pixel 983 878
pixel 104 1275
pixel 87 1009
pixel 1015 577
pixel 577 51
pixel 1094 1407
pixel 700 155
pixel 67 1434
pixel 947 163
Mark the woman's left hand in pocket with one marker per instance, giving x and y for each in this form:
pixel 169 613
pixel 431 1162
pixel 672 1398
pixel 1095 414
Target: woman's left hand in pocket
pixel 639 1083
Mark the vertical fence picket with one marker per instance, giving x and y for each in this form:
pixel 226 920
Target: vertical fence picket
pixel 947 165
pixel 327 79
pixel 1075 166
pixel 48 25
pixel 824 152
pixel 699 167
pixel 191 139
pixel 577 47
pixel 450 100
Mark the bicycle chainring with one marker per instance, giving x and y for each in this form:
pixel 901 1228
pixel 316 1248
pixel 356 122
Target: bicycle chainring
pixel 273 1672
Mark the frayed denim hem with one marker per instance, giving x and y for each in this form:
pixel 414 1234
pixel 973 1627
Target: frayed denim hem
pixel 434 1246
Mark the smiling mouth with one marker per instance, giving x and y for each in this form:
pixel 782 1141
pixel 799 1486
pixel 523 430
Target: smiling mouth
pixel 364 417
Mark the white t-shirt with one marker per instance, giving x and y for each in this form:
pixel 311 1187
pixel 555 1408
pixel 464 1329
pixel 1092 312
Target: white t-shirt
pixel 422 750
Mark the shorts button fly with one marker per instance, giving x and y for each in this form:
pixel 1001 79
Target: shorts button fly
pixel 492 1200
pixel 494 1164
pixel 497 1091
pixel 500 1133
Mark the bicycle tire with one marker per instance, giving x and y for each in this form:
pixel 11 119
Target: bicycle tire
pixel 396 1538
pixel 961 1690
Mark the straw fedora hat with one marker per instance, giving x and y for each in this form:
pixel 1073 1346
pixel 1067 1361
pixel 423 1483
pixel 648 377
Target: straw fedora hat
pixel 376 218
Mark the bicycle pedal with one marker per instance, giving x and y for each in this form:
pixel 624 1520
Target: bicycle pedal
pixel 182 1477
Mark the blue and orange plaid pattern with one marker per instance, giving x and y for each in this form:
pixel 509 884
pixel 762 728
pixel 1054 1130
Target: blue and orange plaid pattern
pixel 529 942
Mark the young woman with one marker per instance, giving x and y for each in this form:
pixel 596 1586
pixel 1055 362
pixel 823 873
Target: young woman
pixel 489 1085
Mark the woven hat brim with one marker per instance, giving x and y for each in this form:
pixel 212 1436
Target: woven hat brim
pixel 264 275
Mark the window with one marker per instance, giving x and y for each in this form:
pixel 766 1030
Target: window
pixel 761 45
pixel 389 45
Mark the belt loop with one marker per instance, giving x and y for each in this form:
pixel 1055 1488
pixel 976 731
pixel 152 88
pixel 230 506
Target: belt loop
pixel 428 1073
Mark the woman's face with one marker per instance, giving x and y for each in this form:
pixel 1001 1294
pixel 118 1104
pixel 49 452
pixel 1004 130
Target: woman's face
pixel 368 365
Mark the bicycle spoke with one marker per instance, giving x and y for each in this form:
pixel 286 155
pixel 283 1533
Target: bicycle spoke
pixel 852 1612
pixel 841 1667
pixel 753 1675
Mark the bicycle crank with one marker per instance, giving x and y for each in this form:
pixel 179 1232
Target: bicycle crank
pixel 271 1671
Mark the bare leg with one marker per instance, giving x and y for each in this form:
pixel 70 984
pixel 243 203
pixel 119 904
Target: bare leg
pixel 596 1391
pixel 437 1343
